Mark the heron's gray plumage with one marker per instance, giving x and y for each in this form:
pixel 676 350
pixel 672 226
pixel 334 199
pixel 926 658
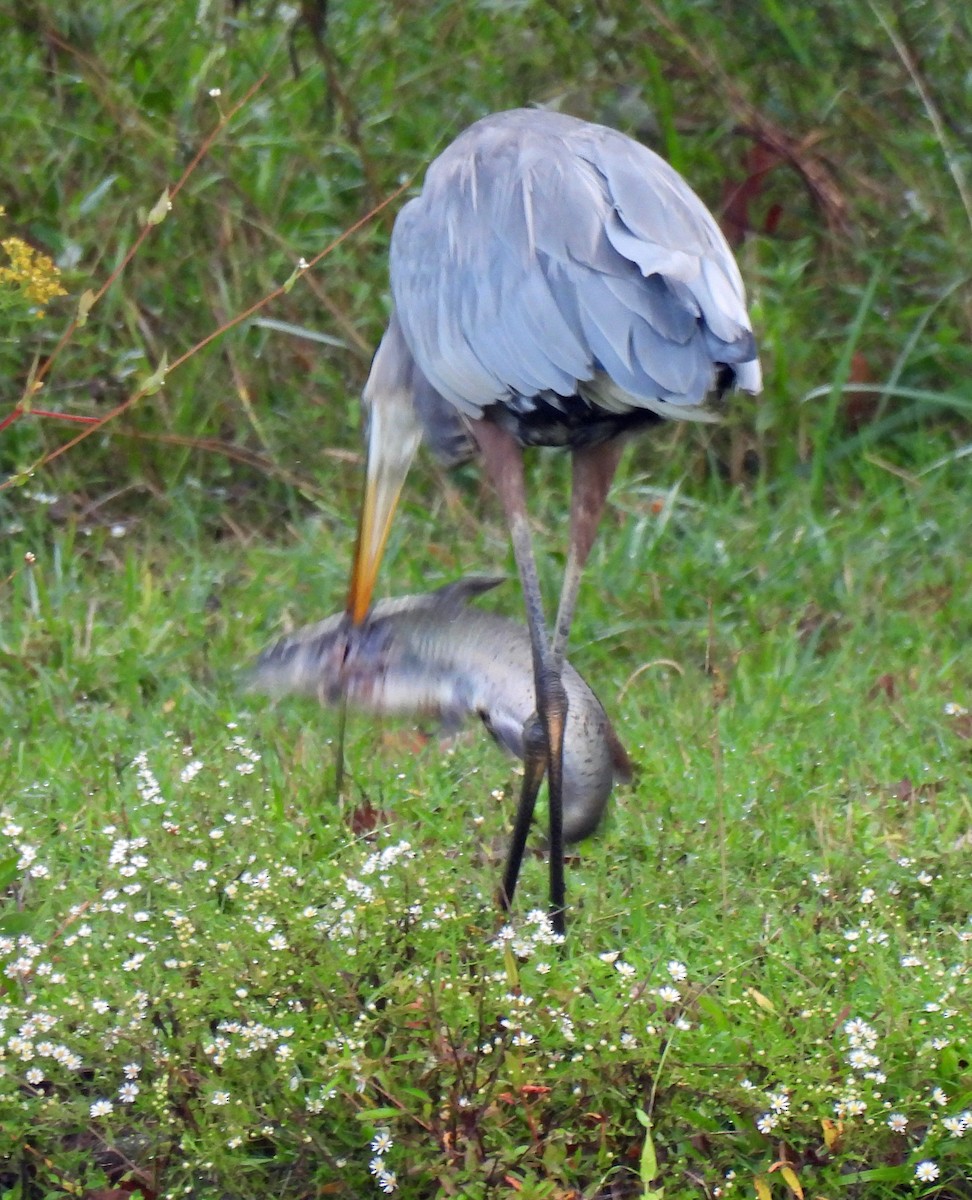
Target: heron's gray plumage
pixel 547 258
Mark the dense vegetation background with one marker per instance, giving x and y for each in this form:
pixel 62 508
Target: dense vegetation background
pixel 832 141
pixel 207 990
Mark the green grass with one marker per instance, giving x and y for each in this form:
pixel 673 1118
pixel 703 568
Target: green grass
pixel 796 838
pixel 769 940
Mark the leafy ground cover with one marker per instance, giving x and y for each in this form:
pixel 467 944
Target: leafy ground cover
pixel 219 982
pixel 215 980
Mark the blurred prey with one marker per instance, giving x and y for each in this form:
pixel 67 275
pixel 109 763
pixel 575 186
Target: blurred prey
pixel 435 656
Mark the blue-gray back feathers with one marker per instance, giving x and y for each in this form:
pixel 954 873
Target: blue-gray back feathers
pixel 548 259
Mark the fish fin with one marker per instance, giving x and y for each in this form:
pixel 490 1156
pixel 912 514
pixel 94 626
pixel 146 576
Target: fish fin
pixel 461 590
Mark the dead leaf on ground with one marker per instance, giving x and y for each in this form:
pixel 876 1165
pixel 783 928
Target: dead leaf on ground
pixel 366 818
pixel 885 685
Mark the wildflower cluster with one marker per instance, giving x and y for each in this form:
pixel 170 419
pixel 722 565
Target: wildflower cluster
pixel 386 1179
pixel 28 274
pixel 778 1108
pixel 311 984
pixel 861 1042
pixel 25 853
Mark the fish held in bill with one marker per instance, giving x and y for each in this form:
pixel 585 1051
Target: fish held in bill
pixel 435 655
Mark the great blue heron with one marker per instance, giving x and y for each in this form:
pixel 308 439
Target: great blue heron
pixel 554 284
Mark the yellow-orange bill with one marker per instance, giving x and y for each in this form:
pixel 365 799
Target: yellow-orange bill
pixel 374 522
pixel 382 490
pixel 394 433
pixel 393 438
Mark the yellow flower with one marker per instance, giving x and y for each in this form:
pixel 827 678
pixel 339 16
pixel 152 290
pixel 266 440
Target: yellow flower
pixel 33 273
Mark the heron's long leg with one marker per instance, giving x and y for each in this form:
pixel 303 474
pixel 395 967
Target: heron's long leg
pixel 503 460
pixel 593 470
pixel 535 766
pixel 543 749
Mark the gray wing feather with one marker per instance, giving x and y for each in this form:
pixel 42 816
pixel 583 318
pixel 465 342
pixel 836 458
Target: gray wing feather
pixel 653 300
pixel 512 354
pixel 549 326
pixel 651 259
pixel 544 252
pixel 428 312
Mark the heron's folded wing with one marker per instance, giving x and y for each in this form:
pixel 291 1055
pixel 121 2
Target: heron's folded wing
pixel 543 253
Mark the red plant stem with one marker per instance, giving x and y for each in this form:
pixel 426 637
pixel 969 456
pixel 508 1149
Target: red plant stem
pixel 96 423
pixel 211 337
pixel 61 416
pixel 19 408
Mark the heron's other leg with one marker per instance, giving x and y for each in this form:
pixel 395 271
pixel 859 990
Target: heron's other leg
pixel 543 746
pixel 593 470
pixel 535 766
